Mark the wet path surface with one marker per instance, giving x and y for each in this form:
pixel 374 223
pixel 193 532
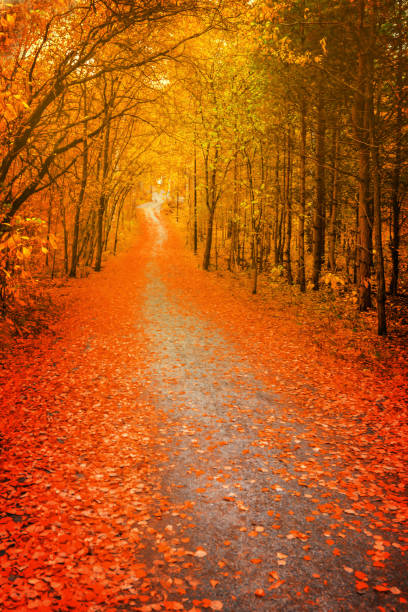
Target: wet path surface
pixel 269 540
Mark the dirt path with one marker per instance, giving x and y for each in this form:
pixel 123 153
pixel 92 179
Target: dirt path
pixel 148 466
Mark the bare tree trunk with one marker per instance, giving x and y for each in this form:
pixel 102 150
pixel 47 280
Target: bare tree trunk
pixel 301 277
pixel 49 219
pixel 379 257
pixel 232 260
pixel 333 204
pixel 208 240
pixel 278 226
pixel 84 180
pixel 65 230
pixel 255 275
pixel 211 202
pixel 103 200
pixel 115 245
pixel 362 133
pixel 319 208
pixel 395 198
pixel 288 202
pixel 376 176
pixel 195 226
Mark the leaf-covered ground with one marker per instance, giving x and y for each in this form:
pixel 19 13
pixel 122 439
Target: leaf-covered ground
pixel 175 444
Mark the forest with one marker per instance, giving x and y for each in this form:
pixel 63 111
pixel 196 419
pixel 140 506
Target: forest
pixel 203 305
pixel 279 130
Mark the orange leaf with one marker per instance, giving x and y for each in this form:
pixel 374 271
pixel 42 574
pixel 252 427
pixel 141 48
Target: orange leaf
pixel 172 605
pixel 381 587
pixel 395 591
pixel 276 585
pixel 204 603
pixel 361 585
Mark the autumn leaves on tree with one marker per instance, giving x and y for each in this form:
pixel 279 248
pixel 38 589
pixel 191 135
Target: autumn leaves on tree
pixel 306 123
pixel 278 127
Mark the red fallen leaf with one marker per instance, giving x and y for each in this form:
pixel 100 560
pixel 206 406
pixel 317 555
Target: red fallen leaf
pixel 276 585
pixel 360 575
pixel 336 552
pixel 172 605
pixel 256 561
pixel 361 585
pixel 260 593
pixel 214 583
pixel 139 573
pixel 381 588
pixel 204 603
pixel 227 543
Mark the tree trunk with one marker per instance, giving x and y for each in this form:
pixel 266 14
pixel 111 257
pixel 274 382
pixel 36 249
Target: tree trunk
pixel 209 237
pixel 65 230
pixel 232 260
pixel 319 208
pixel 362 118
pixel 49 219
pixel 103 200
pixel 301 276
pixel 75 238
pixel 333 204
pixel 115 245
pixel 395 197
pixel 379 257
pixel 255 275
pixel 195 234
pixel 376 177
pixel 288 202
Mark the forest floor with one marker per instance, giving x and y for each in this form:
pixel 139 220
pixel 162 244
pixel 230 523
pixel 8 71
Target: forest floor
pixel 173 443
